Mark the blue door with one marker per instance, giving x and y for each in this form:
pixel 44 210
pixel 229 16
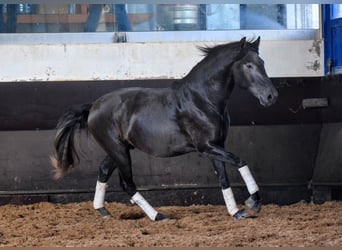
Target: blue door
pixel 332 31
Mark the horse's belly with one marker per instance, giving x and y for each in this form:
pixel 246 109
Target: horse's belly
pixel 167 152
pixel 166 148
pixel 162 141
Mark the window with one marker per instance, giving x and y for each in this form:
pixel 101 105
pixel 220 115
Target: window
pixel 158 20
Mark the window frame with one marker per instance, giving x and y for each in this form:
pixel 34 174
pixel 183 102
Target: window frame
pixel 157 36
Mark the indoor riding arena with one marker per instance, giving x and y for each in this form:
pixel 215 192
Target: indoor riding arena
pixel 170 123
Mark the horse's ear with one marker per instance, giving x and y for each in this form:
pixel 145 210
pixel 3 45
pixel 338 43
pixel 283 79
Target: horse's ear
pixel 243 42
pixel 256 43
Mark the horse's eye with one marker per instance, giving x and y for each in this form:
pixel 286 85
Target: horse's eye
pixel 249 66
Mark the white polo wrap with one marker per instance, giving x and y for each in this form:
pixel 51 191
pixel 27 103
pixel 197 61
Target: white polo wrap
pixel 138 199
pixel 100 192
pixel 248 179
pixel 230 201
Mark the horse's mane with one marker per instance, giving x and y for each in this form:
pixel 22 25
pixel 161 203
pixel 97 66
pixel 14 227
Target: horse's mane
pixel 210 50
pixel 220 55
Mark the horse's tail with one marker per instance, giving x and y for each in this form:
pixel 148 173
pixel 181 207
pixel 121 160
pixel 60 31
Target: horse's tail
pixel 70 122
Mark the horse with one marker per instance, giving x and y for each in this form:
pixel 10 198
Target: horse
pixel 191 115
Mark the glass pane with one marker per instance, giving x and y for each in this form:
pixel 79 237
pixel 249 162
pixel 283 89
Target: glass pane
pixel 102 17
pixel 336 11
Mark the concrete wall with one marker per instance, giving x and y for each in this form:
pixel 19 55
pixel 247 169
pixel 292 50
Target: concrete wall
pixel 126 61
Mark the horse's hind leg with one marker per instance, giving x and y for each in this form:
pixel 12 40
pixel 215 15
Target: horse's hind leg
pixel 106 169
pixel 127 184
pixel 120 156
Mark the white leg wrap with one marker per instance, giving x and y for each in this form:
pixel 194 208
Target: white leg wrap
pixel 248 179
pixel 144 205
pixel 100 192
pixel 230 201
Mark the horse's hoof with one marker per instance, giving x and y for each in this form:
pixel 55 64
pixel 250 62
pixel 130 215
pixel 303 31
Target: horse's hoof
pixel 160 217
pixel 239 215
pixel 254 205
pixel 103 212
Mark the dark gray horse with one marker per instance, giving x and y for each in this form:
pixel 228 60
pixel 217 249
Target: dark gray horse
pixel 191 115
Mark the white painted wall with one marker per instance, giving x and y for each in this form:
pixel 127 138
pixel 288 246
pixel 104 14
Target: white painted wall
pixel 113 61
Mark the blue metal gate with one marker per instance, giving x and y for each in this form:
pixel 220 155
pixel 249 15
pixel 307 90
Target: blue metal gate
pixel 332 31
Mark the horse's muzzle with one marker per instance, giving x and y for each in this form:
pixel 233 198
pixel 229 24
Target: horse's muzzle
pixel 270 98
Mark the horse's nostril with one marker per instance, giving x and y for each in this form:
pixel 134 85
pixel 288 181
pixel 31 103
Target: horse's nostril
pixel 270 97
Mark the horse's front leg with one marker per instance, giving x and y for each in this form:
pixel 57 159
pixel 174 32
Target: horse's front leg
pixel 254 200
pixel 219 154
pixel 227 191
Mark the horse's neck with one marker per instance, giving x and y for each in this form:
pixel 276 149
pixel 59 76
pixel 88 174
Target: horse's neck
pixel 211 79
pixel 215 87
pixel 212 67
pixel 204 96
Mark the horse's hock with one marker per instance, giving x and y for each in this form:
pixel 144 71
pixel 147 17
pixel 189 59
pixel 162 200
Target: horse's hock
pixel 294 155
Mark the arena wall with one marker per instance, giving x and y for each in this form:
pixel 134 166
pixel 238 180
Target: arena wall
pixel 293 151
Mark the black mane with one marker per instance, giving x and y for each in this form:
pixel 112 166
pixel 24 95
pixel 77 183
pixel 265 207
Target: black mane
pixel 213 50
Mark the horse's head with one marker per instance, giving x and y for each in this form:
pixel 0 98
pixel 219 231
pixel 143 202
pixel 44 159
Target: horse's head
pixel 249 73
